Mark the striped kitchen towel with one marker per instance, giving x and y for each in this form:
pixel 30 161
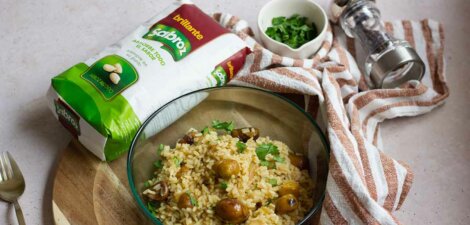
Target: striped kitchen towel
pixel 364 185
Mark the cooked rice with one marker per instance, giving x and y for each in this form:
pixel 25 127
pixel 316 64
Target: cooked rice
pixel 250 189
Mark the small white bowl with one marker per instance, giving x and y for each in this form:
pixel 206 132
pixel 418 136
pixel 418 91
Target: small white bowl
pixel 287 8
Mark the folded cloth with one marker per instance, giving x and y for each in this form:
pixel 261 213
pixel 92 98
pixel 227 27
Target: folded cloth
pixel 364 184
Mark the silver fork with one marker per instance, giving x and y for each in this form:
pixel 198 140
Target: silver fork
pixel 12 183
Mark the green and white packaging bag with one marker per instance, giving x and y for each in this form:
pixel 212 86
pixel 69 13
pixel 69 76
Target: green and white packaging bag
pixel 104 100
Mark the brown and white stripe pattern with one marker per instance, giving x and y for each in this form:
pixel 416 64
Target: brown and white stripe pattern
pixel 364 184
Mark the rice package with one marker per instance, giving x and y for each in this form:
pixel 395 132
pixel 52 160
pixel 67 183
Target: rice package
pixel 104 100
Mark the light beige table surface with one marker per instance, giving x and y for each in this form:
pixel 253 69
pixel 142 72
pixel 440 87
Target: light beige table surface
pixel 39 39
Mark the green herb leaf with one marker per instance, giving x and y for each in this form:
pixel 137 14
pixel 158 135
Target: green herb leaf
pixel 158 164
pixel 278 20
pixel 269 202
pixel 227 126
pixel 177 161
pixel 160 149
pixel 293 31
pixel 305 28
pixel 273 182
pixel 205 130
pixel 150 207
pixel 241 146
pixel 192 199
pixel 264 163
pixel 279 159
pixel 271 31
pixel 270 165
pixel 223 185
pixel 153 206
pixel 264 149
pixel 147 184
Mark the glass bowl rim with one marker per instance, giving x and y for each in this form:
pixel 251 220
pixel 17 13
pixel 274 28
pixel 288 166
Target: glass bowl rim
pixel 130 177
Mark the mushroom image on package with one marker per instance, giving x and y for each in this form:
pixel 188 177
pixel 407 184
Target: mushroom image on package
pixel 104 100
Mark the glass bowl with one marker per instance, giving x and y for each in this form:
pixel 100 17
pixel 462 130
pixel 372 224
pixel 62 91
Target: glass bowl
pixel 274 115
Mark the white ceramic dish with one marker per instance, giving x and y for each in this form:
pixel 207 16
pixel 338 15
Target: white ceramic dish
pixel 287 8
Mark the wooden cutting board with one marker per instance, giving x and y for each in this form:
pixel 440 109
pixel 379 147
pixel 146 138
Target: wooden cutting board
pixel 90 192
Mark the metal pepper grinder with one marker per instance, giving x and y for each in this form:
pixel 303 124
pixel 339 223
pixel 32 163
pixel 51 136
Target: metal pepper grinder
pixel 390 62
